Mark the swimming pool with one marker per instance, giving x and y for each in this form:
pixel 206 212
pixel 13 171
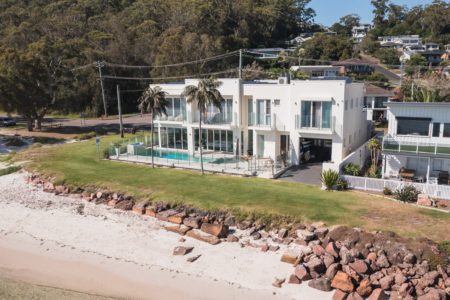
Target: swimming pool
pixel 174 155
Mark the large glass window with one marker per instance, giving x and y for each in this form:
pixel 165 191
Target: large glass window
pixel 436 129
pixel 326 115
pixel 176 109
pixel 224 115
pixel 413 126
pixel 263 111
pixel 217 140
pixel 380 102
pixel 174 138
pixel 446 130
pixel 306 113
pixel 316 114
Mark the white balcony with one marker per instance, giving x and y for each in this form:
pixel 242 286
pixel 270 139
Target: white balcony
pixel 416 145
pixel 318 125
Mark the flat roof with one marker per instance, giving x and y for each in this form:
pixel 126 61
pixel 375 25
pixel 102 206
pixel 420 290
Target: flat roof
pixel 419 104
pixel 377 91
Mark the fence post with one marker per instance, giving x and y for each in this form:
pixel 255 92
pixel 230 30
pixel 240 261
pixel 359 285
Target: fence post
pixel 365 183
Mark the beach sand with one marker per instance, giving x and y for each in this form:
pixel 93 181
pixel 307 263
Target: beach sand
pixel 45 240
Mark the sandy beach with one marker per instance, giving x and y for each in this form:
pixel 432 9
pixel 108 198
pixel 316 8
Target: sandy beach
pixel 69 243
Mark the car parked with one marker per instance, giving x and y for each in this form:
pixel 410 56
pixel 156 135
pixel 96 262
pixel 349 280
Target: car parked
pixel 7 122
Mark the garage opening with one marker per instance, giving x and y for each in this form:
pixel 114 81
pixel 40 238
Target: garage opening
pixel 315 150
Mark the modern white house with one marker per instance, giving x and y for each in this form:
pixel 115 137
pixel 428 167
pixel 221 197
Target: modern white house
pixel 400 40
pixel 375 102
pixel 417 145
pixel 360 32
pixel 319 71
pixel 297 121
pixel 430 51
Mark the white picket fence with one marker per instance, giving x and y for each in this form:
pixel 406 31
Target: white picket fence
pixel 375 184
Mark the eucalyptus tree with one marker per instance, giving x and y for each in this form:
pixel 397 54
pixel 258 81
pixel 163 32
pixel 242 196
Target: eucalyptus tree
pixel 205 94
pixel 153 101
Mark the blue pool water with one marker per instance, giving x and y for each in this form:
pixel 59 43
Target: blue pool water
pixel 172 155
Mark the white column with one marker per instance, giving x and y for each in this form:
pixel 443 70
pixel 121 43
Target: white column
pixel 428 168
pixel 159 135
pixel 191 142
pixel 295 147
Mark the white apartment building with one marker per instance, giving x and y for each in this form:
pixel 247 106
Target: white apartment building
pixel 321 71
pixel 400 40
pixel 375 102
pixel 320 120
pixel 417 146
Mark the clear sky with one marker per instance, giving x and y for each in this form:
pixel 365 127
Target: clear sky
pixel 329 11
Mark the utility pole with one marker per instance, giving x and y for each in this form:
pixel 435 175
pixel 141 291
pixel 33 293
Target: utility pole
pixel 240 63
pixel 119 107
pixel 401 73
pixel 100 65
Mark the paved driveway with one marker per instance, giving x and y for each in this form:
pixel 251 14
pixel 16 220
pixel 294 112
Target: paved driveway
pixel 308 173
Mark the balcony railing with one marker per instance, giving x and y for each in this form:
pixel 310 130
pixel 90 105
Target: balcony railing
pixel 417 145
pixel 331 126
pixel 218 118
pixel 178 117
pixel 261 120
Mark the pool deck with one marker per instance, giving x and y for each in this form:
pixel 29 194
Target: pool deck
pixel 241 168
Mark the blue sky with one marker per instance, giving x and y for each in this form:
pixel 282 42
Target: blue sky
pixel 329 11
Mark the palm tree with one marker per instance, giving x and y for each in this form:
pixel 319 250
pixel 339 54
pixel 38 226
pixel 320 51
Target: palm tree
pixel 153 101
pixel 206 94
pixel 374 146
pixel 425 95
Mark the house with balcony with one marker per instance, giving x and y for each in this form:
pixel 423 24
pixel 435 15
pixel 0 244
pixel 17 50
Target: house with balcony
pixel 399 41
pixel 298 121
pixel 428 51
pixel 417 145
pixel 375 102
pixel 321 71
pixel 360 32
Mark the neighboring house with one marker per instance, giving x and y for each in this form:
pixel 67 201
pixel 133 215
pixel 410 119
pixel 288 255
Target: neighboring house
pixel 355 65
pixel 430 51
pixel 417 146
pixel 306 120
pixel 360 32
pixel 319 71
pixel 269 53
pixel 400 41
pixel 375 102
pixel 445 56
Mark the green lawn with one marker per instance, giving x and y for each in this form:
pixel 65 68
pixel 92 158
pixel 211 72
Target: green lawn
pixel 77 164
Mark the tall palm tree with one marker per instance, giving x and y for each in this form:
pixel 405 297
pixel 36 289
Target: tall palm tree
pixel 153 101
pixel 205 94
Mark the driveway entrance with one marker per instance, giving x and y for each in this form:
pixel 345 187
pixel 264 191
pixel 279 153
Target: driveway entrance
pixel 305 173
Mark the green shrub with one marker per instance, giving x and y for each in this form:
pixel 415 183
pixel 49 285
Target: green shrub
pixel 106 153
pixel 329 179
pixel 407 193
pixel 342 184
pixel 14 142
pixel 352 169
pixel 9 170
pixel 46 140
pixel 87 136
pixel 387 191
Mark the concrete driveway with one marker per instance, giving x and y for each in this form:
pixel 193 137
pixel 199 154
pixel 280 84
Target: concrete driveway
pixel 307 173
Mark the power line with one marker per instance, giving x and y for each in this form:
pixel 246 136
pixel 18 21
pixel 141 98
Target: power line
pixel 169 77
pixel 225 55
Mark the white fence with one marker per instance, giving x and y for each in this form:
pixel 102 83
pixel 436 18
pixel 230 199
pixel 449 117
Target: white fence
pixel 375 184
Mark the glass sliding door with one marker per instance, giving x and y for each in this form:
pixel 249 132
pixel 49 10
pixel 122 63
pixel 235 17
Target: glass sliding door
pixel 263 112
pixel 260 144
pixel 306 113
pixel 326 115
pixel 316 114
